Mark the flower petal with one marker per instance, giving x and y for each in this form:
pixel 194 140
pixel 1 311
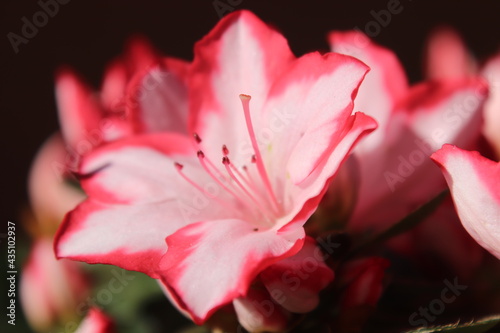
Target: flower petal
pixel 316 97
pixel 474 184
pixel 137 169
pixel 138 234
pixel 447 56
pixel 257 313
pixel 302 200
pixel 241 55
pixel 51 196
pixel 156 98
pixel 228 254
pixel 382 87
pixel 79 109
pixel 295 282
pixel 432 114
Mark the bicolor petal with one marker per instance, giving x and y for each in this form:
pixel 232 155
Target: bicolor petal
pixel 228 253
pixel 383 87
pixel 474 184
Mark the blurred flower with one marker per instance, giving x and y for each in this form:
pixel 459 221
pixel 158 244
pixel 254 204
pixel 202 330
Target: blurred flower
pixel 50 289
pixel 51 193
pixel 448 56
pixel 140 92
pixel 96 322
pixel 224 223
pixel 474 182
pixel 396 175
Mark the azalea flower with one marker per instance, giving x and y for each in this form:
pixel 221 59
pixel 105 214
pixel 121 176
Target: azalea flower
pixel 211 212
pixel 396 174
pixel 474 183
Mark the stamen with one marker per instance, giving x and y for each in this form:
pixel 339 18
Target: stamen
pixel 206 163
pixel 179 168
pixel 227 164
pixel 203 160
pixel 225 151
pixel 245 101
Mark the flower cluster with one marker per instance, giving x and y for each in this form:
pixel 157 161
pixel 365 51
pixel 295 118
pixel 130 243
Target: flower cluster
pixel 250 182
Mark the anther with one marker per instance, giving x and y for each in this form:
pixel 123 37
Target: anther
pixel 178 166
pixel 225 151
pixel 197 138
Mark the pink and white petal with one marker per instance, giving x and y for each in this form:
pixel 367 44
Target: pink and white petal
pixel 228 254
pixel 128 236
pixel 258 313
pixel 447 111
pixel 474 183
pixel 432 114
pixel 302 199
pixel 447 57
pixel 491 128
pixel 157 98
pixel 221 72
pixel 382 87
pixel 96 322
pixel 312 103
pixel 295 282
pixel 51 197
pixel 79 110
pixel 139 169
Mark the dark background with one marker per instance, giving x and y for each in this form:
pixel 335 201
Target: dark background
pixel 86 35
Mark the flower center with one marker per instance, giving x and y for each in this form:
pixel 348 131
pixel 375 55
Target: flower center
pixel 252 190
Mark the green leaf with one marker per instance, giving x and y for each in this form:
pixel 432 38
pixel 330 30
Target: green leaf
pixel 407 223
pixel 482 325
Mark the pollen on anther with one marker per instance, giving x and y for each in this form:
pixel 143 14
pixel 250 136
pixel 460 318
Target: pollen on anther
pixel 178 166
pixel 225 160
pixel 200 154
pixel 225 151
pixel 245 97
pixel 197 138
